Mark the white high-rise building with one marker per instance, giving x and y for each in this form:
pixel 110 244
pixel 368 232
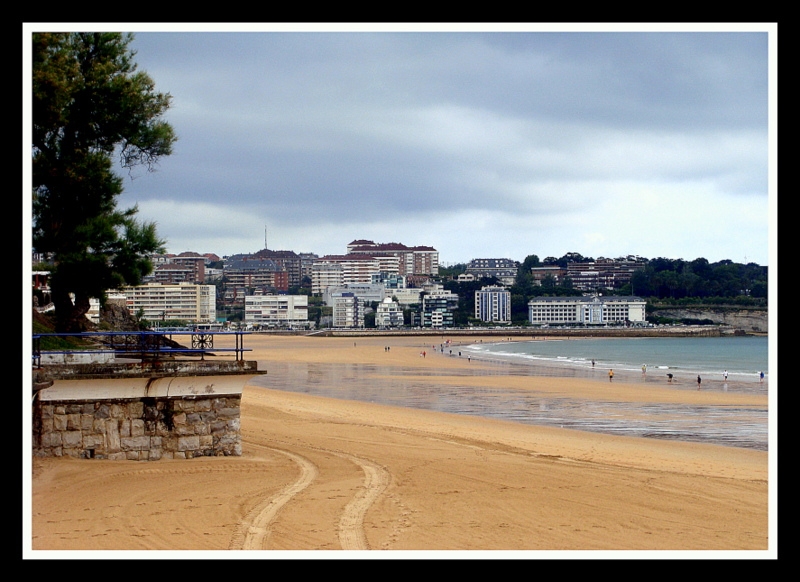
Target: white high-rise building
pixel 348 310
pixel 389 314
pixel 186 301
pixel 493 304
pixel 276 310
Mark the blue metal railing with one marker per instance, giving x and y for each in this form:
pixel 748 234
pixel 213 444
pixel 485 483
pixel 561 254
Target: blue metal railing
pixel 143 344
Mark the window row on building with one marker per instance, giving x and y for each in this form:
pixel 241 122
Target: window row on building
pixel 597 310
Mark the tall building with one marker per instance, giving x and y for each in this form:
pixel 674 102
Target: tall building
pixel 493 304
pixel 597 310
pixel 389 314
pixel 438 306
pixel 194 261
pixel 289 260
pixel 325 274
pixel 186 301
pixel 419 260
pixel 256 273
pixel 348 310
pixel 352 268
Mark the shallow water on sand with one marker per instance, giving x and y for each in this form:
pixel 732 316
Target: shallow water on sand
pixel 733 426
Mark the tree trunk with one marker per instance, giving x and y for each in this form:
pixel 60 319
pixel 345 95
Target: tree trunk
pixel 71 317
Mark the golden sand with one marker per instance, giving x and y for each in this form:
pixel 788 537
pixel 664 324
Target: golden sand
pixel 324 474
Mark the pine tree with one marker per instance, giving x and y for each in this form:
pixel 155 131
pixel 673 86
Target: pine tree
pixel 89 105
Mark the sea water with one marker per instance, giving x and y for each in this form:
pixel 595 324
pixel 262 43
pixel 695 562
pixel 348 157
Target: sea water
pixel 744 357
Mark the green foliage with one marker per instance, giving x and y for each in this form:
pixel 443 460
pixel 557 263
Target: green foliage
pixel 89 105
pixel 723 282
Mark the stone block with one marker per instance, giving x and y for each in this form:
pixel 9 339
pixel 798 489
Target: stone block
pixel 71 438
pixel 135 443
pixel 137 427
pixel 188 443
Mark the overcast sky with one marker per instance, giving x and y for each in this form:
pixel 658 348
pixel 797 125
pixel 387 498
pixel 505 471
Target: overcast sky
pixel 480 144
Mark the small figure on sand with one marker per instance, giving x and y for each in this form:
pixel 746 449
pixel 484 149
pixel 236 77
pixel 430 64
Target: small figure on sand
pixel 610 375
pixel 761 375
pixel 669 378
pixel 725 375
pixel 592 363
pixel 644 369
pixel 699 379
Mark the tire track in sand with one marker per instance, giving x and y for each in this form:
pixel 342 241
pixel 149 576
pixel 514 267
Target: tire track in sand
pixel 351 524
pixel 253 531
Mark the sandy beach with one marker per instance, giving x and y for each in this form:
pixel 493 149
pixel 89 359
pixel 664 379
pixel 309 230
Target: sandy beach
pixel 321 473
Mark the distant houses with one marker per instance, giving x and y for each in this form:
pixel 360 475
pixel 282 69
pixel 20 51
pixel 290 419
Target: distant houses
pixel 396 283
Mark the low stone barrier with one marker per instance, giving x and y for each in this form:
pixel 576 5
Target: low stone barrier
pixel 139 418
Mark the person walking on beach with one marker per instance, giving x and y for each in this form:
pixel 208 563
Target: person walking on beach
pixel 592 363
pixel 725 375
pixel 669 378
pixel 761 375
pixel 610 375
pixel 699 379
pixel 644 369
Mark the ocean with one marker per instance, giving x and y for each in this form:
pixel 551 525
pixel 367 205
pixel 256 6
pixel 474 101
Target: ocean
pixel 744 357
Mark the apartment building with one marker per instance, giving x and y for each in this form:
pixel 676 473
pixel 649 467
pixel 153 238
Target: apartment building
pixel 290 261
pixel 418 260
pixel 276 310
pixel 389 314
pixel 596 310
pixel 505 270
pixel 325 274
pixel 352 268
pixel 438 306
pixel 493 304
pixel 194 261
pixel 540 274
pixel 603 273
pixel 186 301
pixel 348 310
pixel 368 293
pixel 253 272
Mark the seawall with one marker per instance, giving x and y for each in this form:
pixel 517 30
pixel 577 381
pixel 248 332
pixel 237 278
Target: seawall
pixel 139 412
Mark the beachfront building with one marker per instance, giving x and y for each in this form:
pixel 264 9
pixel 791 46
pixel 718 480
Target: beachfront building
pixel 185 301
pixel 348 310
pixel 389 314
pixel 276 310
pixel 438 306
pixel 493 304
pixel 596 310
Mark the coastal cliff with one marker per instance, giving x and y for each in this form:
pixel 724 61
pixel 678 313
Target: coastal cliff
pixel 747 320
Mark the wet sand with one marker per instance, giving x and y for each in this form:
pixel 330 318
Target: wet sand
pixel 321 473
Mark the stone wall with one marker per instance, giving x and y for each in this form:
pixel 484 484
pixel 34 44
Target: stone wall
pixel 142 429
